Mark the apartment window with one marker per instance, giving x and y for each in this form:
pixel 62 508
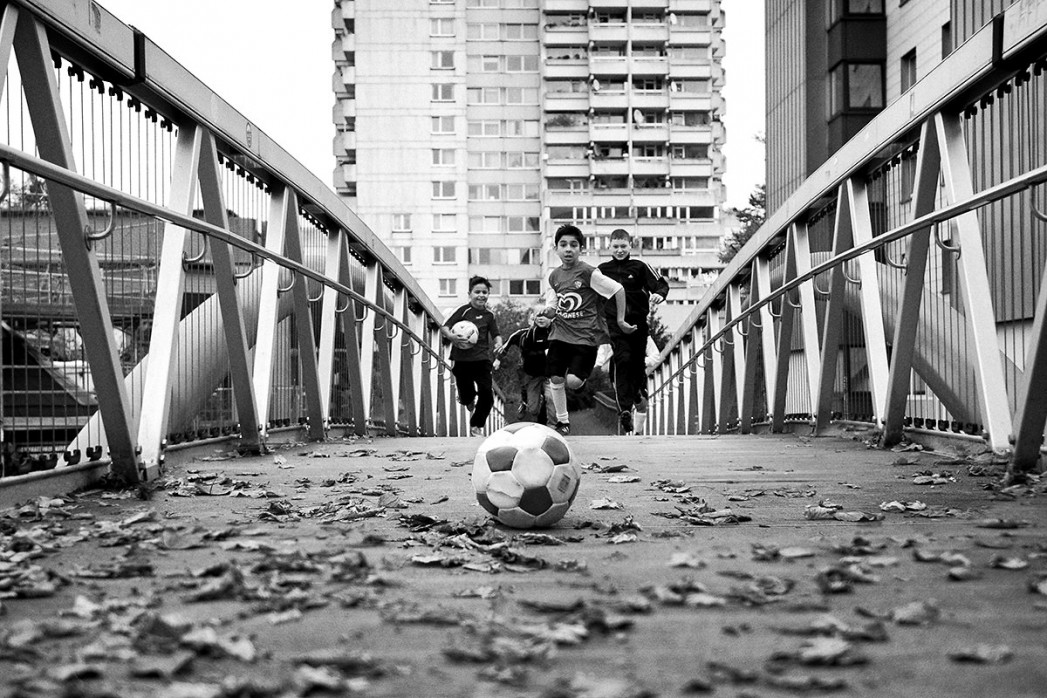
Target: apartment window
pixel 530 255
pixel 485 161
pixel 690 151
pixel 649 150
pixel 521 95
pixel 443 124
pixel 566 152
pixel 443 60
pixel 485 224
pixel 444 222
pixel 518 161
pixel 839 9
pixel 484 95
pixel 443 92
pixel 444 255
pixel 443 156
pixel 567 53
pixel 404 253
pixel 525 287
pixel 691 86
pixel 649 85
pixel 521 192
pixel 441 2
pixel 441 27
pixel 690 118
pixel 688 53
pixel 521 32
pixel 521 127
pixel 401 222
pixel 522 224
pixel 482 3
pixel 610 18
pixel 855 86
pixel 908 70
pixel 578 185
pixel 690 21
pixel 559 87
pixel 484 31
pixel 486 128
pixel 443 190
pixel 521 64
pixel 485 192
pixel 447 287
pixel 686 184
pixel 490 64
pixel 648 17
pixel 520 4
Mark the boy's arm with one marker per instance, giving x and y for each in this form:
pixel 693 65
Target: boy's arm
pixel 608 288
pixel 656 284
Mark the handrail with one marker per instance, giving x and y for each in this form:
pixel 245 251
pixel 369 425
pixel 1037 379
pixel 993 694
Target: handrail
pixel 47 170
pixel 982 198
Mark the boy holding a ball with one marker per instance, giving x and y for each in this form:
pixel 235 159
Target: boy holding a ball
pixel 472 356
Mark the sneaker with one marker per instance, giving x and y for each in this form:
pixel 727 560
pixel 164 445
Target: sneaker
pixel 476 431
pixel 625 422
pixel 563 428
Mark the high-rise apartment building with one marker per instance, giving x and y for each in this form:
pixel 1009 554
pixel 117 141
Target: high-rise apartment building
pixel 469 130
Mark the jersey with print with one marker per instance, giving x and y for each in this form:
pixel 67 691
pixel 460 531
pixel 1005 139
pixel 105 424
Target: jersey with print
pixel 488 329
pixel 577 295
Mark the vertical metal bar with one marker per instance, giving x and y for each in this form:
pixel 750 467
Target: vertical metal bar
pixel 1031 414
pixel 268 312
pixel 388 370
pixel 228 302
pixel 832 322
pixel 351 328
pixel 410 372
pixel 167 305
pixel 443 405
pixel 709 383
pixel 808 311
pixel 974 284
pixel 871 301
pixel 783 354
pixel 924 195
pixel 33 53
pixel 8 23
pixel 304 326
pixel 373 293
pixel 695 384
pixel 328 321
pixel 686 353
pixel 401 311
pixel 714 325
pixel 748 379
pixel 736 354
pixel 426 373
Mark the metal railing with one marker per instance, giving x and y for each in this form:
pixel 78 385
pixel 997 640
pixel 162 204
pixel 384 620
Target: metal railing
pixel 169 274
pixel 841 308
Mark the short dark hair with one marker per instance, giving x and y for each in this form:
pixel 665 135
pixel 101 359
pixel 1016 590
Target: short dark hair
pixel 474 280
pixel 621 234
pixel 568 229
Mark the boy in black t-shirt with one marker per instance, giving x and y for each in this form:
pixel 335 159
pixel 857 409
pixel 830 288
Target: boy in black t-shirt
pixel 532 341
pixel 472 362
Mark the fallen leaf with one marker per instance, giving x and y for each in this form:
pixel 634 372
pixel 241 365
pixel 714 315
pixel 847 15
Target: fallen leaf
pixel 604 504
pixel 982 654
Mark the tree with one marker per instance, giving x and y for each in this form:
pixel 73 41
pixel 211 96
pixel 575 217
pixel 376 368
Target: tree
pixel 659 332
pixel 510 316
pixel 751 218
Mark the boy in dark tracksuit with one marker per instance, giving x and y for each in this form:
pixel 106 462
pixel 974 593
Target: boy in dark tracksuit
pixel 472 362
pixel 532 342
pixel 643 287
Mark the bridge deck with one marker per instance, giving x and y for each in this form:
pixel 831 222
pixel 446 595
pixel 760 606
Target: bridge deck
pixel 425 590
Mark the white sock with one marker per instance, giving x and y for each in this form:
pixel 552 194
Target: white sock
pixel 638 419
pixel 559 396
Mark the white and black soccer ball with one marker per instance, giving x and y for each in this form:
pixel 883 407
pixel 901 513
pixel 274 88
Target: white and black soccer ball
pixel 525 475
pixel 466 331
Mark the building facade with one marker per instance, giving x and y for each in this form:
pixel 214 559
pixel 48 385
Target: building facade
pixel 467 131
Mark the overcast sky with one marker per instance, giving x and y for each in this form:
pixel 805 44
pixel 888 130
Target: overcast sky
pixel 271 60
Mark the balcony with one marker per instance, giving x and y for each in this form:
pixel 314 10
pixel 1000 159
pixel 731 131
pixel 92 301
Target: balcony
pixel 566 69
pixel 691 168
pixel 572 5
pixel 690 101
pixel 648 133
pixel 680 69
pixel 618 166
pixel 566 36
pixel 691 134
pixel 566 168
pixel 348 11
pixel 610 100
pixel 652 197
pixel 689 5
pixel 610 65
pixel 609 4
pixel 649 66
pixel 348 75
pixel 344 141
pixel 689 36
pixel 344 109
pixel 650 33
pixel 654 4
pixel 645 167
pixel 608 132
pixel 567 101
pixel 348 172
pixel 651 100
pixel 577 135
pixel 609 33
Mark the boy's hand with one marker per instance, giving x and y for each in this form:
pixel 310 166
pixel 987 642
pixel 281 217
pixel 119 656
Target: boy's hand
pixel 496 364
pixel 626 327
pixel 460 343
pixel 656 298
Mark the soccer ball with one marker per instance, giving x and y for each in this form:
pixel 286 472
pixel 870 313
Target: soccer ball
pixel 466 331
pixel 524 475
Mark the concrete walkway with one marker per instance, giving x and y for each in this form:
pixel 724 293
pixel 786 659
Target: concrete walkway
pixel 367 567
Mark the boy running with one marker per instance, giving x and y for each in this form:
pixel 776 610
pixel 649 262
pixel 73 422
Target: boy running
pixel 532 341
pixel 573 298
pixel 644 287
pixel 472 362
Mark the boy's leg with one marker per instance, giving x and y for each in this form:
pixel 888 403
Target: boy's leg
pixel 558 360
pixel 533 388
pixel 463 380
pixel 484 394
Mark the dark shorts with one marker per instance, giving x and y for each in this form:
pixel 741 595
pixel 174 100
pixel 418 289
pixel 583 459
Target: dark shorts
pixel 576 359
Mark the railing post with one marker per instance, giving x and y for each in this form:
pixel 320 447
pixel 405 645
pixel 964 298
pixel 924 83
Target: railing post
pixel 373 293
pixel 44 104
pixel 426 374
pixel 974 284
pixel 353 328
pixel 388 369
pixel 924 194
pixel 410 394
pixel 1031 415
pixel 694 389
pixel 708 388
pixel 329 320
pixel 832 321
pixel 734 355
